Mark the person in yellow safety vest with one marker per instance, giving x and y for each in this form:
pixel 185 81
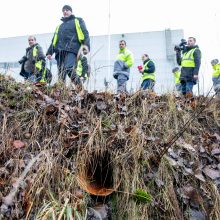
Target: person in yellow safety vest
pixel 190 60
pixel 83 68
pixel 176 74
pixel 216 76
pixel 122 65
pixel 66 42
pixel 33 63
pixel 148 73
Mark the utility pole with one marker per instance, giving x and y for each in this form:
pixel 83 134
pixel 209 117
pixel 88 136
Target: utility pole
pixel 109 40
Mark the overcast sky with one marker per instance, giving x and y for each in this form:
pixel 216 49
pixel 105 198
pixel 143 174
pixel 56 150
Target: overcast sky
pixel 196 17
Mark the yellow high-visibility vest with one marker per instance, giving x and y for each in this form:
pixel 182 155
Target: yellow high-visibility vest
pixel 188 58
pixel 148 75
pixel 216 72
pixel 80 34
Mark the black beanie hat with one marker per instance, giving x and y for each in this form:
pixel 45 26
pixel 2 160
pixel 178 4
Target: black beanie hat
pixel 67 7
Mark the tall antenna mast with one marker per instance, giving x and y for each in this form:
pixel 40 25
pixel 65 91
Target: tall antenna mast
pixel 109 40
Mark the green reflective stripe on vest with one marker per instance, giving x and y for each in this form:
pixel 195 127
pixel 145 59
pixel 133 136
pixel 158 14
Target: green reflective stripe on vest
pixel 79 69
pixel 188 59
pixel 177 77
pixel 35 51
pixel 216 72
pixel 38 64
pixel 80 34
pixel 55 38
pixel 148 75
pixel 43 78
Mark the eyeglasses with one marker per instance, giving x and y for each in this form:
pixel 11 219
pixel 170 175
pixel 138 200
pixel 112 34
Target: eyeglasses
pixel 121 44
pixel 30 39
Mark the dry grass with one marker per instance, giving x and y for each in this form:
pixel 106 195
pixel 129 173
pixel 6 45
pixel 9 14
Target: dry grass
pixel 71 131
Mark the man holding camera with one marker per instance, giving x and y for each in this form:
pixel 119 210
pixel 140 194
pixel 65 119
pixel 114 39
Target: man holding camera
pixel 189 57
pixel 33 63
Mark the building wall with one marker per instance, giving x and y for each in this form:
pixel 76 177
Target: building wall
pixel 158 45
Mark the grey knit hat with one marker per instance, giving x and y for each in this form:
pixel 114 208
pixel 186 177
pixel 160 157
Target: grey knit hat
pixel 214 62
pixel 175 69
pixel 67 7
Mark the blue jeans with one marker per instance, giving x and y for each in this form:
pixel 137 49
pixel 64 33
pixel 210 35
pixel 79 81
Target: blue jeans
pixel 187 87
pixel 148 84
pixel 178 87
pixel 32 78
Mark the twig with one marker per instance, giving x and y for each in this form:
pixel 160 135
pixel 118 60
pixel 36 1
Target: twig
pixel 8 200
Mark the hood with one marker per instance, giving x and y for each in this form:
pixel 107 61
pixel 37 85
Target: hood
pixel 190 48
pixel 31 47
pixel 65 19
pixel 146 60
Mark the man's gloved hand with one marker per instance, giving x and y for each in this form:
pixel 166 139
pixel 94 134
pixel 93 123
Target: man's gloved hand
pixel 125 65
pixel 196 77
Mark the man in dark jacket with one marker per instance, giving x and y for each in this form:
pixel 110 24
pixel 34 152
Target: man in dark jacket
pixel 190 61
pixel 33 63
pixel 67 40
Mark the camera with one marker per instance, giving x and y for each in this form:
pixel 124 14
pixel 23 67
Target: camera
pixel 23 60
pixel 181 46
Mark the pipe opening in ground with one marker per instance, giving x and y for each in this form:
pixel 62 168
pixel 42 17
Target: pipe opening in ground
pixel 97 176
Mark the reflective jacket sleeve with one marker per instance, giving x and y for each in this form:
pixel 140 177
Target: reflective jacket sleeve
pixel 197 60
pixel 129 61
pixel 86 40
pixel 151 68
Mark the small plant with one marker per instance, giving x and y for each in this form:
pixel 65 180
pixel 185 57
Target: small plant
pixel 142 196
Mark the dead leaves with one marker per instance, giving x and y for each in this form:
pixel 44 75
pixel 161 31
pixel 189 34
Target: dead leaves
pixel 18 144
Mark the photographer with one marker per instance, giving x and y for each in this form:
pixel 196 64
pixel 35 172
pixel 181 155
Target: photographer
pixel 33 63
pixel 189 57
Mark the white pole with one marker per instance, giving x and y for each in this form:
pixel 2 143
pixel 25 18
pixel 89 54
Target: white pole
pixel 109 40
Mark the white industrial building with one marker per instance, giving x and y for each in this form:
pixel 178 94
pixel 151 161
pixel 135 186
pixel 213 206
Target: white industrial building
pixel 158 45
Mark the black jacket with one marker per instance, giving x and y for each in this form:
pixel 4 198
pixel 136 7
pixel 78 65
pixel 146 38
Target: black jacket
pixel 28 61
pixel 150 65
pixel 187 73
pixel 67 36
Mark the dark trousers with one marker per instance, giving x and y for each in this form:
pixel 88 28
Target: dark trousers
pixel 148 84
pixel 187 87
pixel 66 63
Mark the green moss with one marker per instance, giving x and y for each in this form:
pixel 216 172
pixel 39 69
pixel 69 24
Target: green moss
pixel 142 196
